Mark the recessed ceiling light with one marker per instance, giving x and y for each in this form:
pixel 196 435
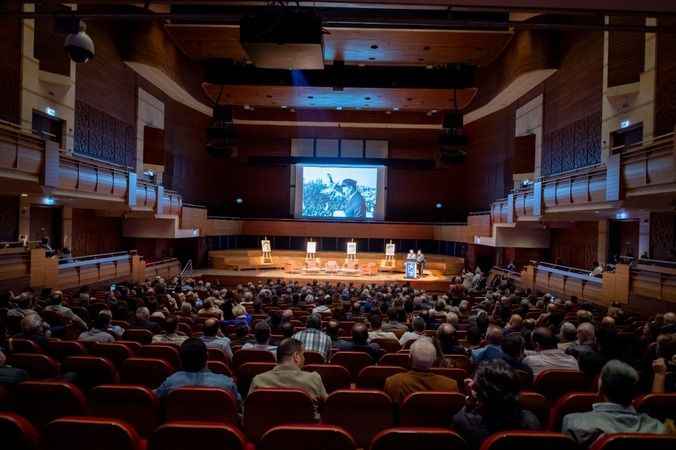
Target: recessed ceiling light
pixel 388 112
pixel 429 66
pixel 374 46
pixel 396 108
pixel 339 108
pixel 24 195
pixel 283 106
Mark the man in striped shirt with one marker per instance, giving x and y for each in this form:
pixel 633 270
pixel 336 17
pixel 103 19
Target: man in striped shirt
pixel 313 338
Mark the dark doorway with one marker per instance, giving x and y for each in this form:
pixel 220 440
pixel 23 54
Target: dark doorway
pixel 624 137
pixel 623 238
pixel 46 222
pixel 48 127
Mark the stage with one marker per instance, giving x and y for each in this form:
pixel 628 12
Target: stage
pixel 430 282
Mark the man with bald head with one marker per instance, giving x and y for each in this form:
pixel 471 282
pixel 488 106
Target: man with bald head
pixel 360 336
pixel 448 342
pixel 419 378
pixel 492 350
pixel 213 338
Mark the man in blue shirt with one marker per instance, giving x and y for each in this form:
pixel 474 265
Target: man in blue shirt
pixel 194 360
pixel 492 349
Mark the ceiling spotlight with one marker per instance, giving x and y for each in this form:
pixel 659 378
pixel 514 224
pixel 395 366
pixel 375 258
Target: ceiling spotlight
pixel 78 44
pixel 396 108
pixel 388 112
pixel 339 108
pixel 239 200
pixel 24 195
pixel 283 106
pixel 439 205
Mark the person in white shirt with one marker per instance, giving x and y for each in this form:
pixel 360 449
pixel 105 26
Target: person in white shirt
pixel 418 331
pixel 321 306
pixel 547 355
pixel 376 322
pixel 597 271
pixel 169 336
pixel 99 333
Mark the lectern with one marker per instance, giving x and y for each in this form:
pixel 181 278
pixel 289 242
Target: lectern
pixel 410 269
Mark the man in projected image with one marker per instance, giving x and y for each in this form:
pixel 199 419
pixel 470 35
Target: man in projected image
pixel 355 206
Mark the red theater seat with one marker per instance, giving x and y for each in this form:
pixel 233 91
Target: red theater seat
pixel 216 354
pixel 38 365
pixel 88 433
pixel 268 408
pixel 352 361
pixel 361 413
pixel 389 345
pixel 134 346
pixel 537 404
pixel 246 373
pixel 430 409
pixel 201 403
pixel 313 358
pixel 422 438
pixel 334 377
pixel 306 437
pixel 43 401
pixel 63 349
pixel 459 375
pixel 140 335
pixel 20 345
pixel 193 435
pixel 373 377
pixel 91 370
pixel 113 351
pixel 17 433
pixel 634 441
pixel 136 405
pixel 148 372
pixel 248 356
pixel 570 403
pixel 553 383
pixel 161 351
pixel 529 440
pixel 660 406
pixel 219 367
pixel 459 361
pixel 395 359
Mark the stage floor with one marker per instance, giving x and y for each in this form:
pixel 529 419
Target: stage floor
pixel 430 282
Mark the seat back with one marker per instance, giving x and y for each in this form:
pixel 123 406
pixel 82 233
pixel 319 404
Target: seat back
pixel 389 345
pixel 529 440
pixel 136 405
pixel 424 438
pixel 43 401
pixel 216 354
pixel 247 356
pixel 21 345
pixel 208 404
pixel 140 335
pixel 262 410
pixel 362 413
pixel 113 351
pixel 537 404
pixel 373 377
pixel 219 367
pixel 352 361
pixel 459 361
pixel 86 433
pixel 333 376
pixel 188 435
pixel 660 406
pixel 633 441
pixel 553 383
pixel 63 349
pixel 39 366
pixel 91 370
pixel 430 409
pixel 395 359
pixel 306 437
pixel 459 375
pixel 313 358
pixel 18 433
pixel 570 403
pixel 162 351
pixel 246 373
pixel 134 346
pixel 148 372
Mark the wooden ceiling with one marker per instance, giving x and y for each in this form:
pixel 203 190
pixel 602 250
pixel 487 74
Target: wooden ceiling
pixel 398 47
pixel 348 99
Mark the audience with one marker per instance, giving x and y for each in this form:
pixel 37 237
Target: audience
pixel 418 332
pixel 213 339
pixel 547 355
pixel 447 341
pixel 99 332
pixel 170 336
pixel 143 320
pixel 567 335
pixel 262 334
pixel 313 339
pixel 376 322
pixel 492 350
pixel 360 343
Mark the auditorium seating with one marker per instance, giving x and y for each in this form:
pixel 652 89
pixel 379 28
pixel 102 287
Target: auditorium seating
pixel 140 335
pixel 529 440
pixel 354 362
pixel 313 358
pixel 149 372
pixel 389 345
pixel 216 354
pixel 633 441
pixel 396 359
pixel 87 433
pixel 430 409
pixel 422 438
pixel 537 404
pixel 201 404
pixel 570 403
pixel 459 375
pixel 219 367
pixel 660 406
pixel 91 371
pixel 333 376
pixel 246 373
pixel 306 437
pixel 249 356
pixel 161 351
pixel 191 435
pixel 373 377
pixel 43 401
pixel 60 350
pixel 136 405
pixel 116 352
pixel 17 433
pixel 39 366
pixel 267 408
pixel 19 345
pixel 553 383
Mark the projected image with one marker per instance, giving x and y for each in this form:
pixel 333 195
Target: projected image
pixel 340 192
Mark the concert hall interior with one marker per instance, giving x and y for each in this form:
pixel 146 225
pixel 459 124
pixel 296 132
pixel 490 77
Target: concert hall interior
pixel 337 225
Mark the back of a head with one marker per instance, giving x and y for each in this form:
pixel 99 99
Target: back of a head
pixel 423 354
pixel 262 332
pixel 193 355
pixel 287 329
pixel 287 348
pixel 360 334
pixel 419 324
pixel 568 331
pixel 446 335
pixel 497 387
pixel 170 325
pixel 494 335
pixel 142 313
pixel 376 321
pixel 513 345
pixel 332 329
pixel 586 333
pixel 618 382
pixel 515 321
pixel 314 321
pixel 210 327
pixel 544 338
pixel 669 318
pixel 102 321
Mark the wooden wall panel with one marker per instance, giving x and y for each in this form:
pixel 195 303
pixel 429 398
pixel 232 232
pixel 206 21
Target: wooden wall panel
pixel 575 246
pixel 626 52
pixel 48 48
pixel 663 235
pixel 9 218
pixel 93 234
pixel 102 136
pixel 665 98
pixel 10 65
pixel 46 222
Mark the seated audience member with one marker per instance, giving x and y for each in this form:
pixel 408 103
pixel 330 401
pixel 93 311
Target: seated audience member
pixel 492 405
pixel 617 387
pixel 608 323
pixel 332 330
pixel 209 309
pixel 239 313
pixel 513 347
pixel 597 271
pixel 586 340
pixel 67 314
pixel 116 330
pixel 492 349
pixel 419 378
pixel 194 371
pixel 515 325
pixel 99 332
pixel 321 306
pixel 567 336
pixel 34 329
pixel 10 375
pixel 447 340
pixel 396 318
pixel 288 374
pixel 376 322
pixel 143 320
pixel 547 355
pixel 668 323
pixel 360 343
pixel 313 339
pixel 418 331
pixel 212 337
pixel 583 316
pixel 170 336
pixel 262 333
pixel 453 319
pixel 286 329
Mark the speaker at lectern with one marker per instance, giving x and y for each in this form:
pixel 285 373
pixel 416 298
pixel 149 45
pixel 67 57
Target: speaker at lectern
pixel 410 267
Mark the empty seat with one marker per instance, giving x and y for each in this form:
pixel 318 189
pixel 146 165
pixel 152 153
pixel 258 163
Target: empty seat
pixel 134 346
pixel 190 435
pixel 247 356
pixel 246 373
pixel 63 349
pixel 570 403
pixel 306 437
pixel 140 335
pixel 389 345
pixel 430 409
pixel 537 404
pixel 553 383
pixel 201 403
pixel 352 361
pixel 38 365
pixel 423 438
pixel 268 408
pixel 395 359
pixel 43 401
pixel 633 441
pixel 87 433
pixel 149 372
pixel 161 351
pixel 313 358
pixel 17 432
pixel 529 440
pixel 362 413
pixel 21 345
pixel 219 367
pixel 333 376
pixel 459 375
pixel 660 406
pixel 373 377
pixel 136 405
pixel 91 370
pixel 114 351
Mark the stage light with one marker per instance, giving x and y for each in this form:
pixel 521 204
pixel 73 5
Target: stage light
pixel 625 124
pixel 239 200
pixel 439 205
pixel 48 200
pixel 24 195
